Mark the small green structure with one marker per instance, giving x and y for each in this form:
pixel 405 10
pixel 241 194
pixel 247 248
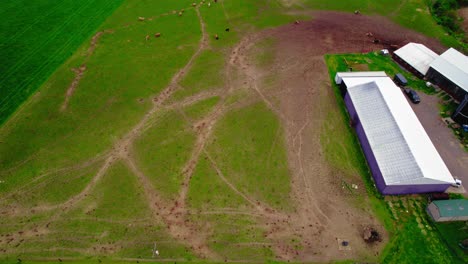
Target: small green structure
pixel 448 210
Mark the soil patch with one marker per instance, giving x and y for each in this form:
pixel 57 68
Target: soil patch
pixel 329 226
pixel 463 13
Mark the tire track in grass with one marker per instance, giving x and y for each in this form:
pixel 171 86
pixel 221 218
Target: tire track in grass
pixel 196 98
pixel 120 151
pixel 32 185
pixel 175 219
pixel 262 209
pixel 90 50
pixel 252 80
pixel 268 218
pixel 42 151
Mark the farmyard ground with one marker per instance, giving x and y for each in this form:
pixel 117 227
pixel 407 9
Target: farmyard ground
pixel 208 150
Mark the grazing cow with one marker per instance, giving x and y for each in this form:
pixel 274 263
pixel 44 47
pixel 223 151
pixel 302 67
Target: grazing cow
pixel 216 36
pixel 157 35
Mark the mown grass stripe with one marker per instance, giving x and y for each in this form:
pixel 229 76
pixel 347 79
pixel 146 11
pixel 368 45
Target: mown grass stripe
pixel 49 39
pixel 7 6
pixel 39 71
pixel 14 94
pixel 37 20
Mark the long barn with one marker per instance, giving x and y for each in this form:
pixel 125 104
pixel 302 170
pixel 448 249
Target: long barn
pixel 399 152
pixel 416 58
pixel 450 72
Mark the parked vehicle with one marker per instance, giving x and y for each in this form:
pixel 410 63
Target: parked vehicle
pixel 412 95
pixel 458 183
pixel 400 80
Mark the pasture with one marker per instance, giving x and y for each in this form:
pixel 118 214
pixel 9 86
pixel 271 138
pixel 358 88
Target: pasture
pixel 205 149
pixel 37 38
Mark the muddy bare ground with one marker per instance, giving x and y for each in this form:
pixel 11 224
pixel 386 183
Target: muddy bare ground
pixel 463 13
pixel 302 97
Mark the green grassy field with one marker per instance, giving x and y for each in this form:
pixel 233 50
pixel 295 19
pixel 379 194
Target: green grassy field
pixel 65 149
pixel 37 38
pixel 49 155
pixel 240 143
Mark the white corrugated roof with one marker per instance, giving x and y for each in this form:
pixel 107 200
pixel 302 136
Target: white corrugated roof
pixel 340 75
pixel 417 55
pixel 454 66
pixel 401 146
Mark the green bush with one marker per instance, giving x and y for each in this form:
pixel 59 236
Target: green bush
pixel 444 12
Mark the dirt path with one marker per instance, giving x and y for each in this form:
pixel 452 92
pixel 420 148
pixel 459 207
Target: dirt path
pixel 195 99
pixel 180 229
pixel 301 98
pixel 121 148
pixel 463 13
pixel 79 72
pixel 175 218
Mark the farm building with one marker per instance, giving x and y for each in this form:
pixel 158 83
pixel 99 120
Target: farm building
pixel 415 57
pixel 448 210
pixel 400 154
pixel 450 72
pixel 348 75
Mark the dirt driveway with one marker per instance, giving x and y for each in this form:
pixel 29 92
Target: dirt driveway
pixel 455 157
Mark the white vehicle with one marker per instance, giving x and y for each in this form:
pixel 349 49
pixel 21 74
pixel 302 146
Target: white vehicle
pixel 458 183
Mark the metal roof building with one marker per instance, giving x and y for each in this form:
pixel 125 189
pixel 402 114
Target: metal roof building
pixel 448 210
pixel 416 57
pixel 450 71
pixel 398 150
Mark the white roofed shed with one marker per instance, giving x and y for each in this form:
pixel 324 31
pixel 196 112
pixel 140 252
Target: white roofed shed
pixel 418 56
pixel 454 66
pixel 400 154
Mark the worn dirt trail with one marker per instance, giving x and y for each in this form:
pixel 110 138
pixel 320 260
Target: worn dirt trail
pixel 301 98
pixel 181 229
pixel 79 72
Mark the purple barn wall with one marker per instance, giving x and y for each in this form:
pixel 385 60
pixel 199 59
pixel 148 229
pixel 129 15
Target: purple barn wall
pixel 374 167
pixel 371 161
pixel 410 189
